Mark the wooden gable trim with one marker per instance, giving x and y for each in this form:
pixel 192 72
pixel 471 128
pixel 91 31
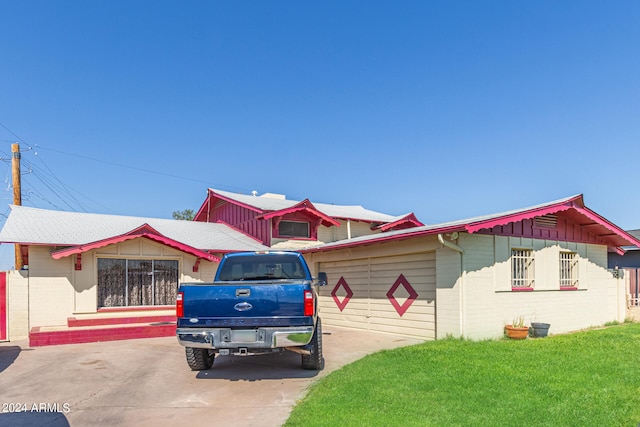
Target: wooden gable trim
pixel 574 223
pixel 144 231
pixel 305 207
pixel 407 221
pixel 205 211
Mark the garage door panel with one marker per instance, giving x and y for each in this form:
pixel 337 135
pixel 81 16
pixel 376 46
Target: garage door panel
pixel 382 295
pixel 407 323
pixel 418 315
pixel 416 305
pixel 390 313
pixel 426 332
pixel 370 281
pixel 422 257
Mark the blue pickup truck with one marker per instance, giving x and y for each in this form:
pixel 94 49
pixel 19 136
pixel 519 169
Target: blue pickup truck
pixel 259 302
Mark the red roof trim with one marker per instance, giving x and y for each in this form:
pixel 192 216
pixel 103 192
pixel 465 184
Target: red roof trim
pixel 304 206
pixel 515 217
pixel 576 203
pixel 212 196
pixel 408 221
pixel 145 231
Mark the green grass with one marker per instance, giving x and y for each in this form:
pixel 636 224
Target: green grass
pixel 589 378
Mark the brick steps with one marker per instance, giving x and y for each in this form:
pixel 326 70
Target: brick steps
pixel 103 329
pixel 73 322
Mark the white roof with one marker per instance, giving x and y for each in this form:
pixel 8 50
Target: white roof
pixel 354 212
pixel 27 225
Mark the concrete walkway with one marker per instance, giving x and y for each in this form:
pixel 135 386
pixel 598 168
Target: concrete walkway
pixel 148 383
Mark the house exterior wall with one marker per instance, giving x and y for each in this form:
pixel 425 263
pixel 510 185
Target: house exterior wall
pixel 488 302
pixel 631 259
pixel 473 293
pixel 52 290
pixel 449 302
pixel 17 305
pixel 334 234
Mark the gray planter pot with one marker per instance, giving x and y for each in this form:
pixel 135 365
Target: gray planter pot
pixel 539 330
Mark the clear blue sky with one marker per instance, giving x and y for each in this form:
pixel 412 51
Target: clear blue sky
pixel 449 109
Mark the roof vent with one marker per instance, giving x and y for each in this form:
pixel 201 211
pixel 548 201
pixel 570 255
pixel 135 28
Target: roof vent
pixel 546 221
pixel 274 196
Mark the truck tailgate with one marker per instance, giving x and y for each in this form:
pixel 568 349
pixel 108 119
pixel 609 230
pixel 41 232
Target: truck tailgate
pixel 212 303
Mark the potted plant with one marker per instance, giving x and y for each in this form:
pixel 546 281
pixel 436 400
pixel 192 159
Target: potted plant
pixel 517 330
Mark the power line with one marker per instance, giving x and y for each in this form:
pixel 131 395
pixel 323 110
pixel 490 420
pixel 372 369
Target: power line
pixel 208 183
pixel 66 193
pixel 123 166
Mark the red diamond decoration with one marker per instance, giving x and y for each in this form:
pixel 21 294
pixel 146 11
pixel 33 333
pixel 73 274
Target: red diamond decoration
pixel 342 283
pixel 401 309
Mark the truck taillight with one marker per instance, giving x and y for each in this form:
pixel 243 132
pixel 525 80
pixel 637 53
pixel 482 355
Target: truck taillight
pixel 309 303
pixel 179 305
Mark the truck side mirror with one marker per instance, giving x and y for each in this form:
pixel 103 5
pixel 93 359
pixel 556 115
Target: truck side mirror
pixel 322 279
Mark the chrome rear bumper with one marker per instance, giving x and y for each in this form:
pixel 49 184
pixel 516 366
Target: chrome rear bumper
pixel 260 338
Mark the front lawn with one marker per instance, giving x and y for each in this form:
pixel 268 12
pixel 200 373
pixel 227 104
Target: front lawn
pixel 589 378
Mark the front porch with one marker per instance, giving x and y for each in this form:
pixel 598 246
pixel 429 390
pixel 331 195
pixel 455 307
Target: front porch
pixel 107 325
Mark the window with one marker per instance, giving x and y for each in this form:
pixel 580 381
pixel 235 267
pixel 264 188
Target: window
pixel 522 266
pixel 129 282
pixel 263 267
pixel 568 270
pixel 293 229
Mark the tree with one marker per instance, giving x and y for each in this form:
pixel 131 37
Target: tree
pixel 185 215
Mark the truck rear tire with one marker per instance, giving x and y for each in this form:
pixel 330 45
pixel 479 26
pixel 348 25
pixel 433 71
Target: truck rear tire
pixel 199 359
pixel 314 361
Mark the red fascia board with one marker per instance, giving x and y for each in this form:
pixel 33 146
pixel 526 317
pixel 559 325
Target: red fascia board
pixel 575 202
pixel 617 231
pixel 615 235
pixel 408 219
pixel 619 251
pixel 144 229
pixel 123 238
pixel 305 206
pixel 204 207
pixel 515 217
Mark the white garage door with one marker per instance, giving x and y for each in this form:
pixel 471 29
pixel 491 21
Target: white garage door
pixel 388 294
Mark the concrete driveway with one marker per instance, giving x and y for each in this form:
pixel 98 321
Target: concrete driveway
pixel 148 383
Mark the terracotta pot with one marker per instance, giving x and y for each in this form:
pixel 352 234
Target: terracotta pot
pixel 516 333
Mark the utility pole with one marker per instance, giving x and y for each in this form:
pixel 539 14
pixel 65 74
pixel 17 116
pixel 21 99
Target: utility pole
pixel 17 192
